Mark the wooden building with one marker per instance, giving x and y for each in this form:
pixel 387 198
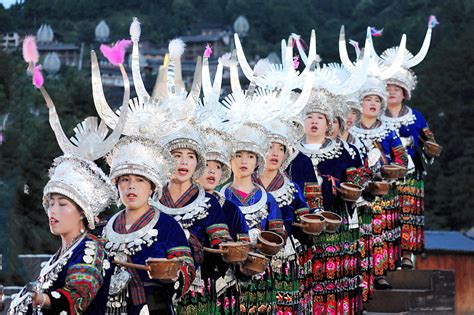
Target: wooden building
pixel 450 250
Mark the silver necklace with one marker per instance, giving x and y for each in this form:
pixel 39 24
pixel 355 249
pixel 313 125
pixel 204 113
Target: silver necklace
pixel 374 134
pixel 254 214
pixel 187 215
pixel 285 194
pixel 331 149
pixel 74 240
pixel 48 274
pixel 129 243
pixel 394 123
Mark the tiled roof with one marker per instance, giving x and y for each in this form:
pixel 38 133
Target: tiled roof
pixel 448 241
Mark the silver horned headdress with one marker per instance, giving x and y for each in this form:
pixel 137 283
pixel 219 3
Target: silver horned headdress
pixel 170 105
pixel 74 174
pixel 404 76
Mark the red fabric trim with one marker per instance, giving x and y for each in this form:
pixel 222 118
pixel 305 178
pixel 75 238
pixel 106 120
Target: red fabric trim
pixel 68 297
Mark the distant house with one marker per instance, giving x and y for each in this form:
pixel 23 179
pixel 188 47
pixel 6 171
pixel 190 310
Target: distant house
pixel 218 38
pixel 455 251
pixel 10 41
pixel 68 54
pixel 152 57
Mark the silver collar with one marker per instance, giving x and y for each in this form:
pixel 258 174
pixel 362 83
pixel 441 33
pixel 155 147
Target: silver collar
pixel 254 214
pixel 378 133
pixel 394 123
pixel 285 194
pixel 129 243
pixel 187 215
pixel 330 149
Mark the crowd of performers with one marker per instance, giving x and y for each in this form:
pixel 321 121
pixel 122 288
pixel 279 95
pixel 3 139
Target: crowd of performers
pixel 294 196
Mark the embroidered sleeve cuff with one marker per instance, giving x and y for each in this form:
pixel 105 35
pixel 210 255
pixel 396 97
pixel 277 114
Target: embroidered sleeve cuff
pixel 187 273
pixel 357 176
pixel 400 156
pixel 218 233
pixel 278 227
pixel 300 212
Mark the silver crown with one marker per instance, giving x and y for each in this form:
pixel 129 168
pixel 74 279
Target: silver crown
pixel 285 132
pixel 143 157
pixel 251 137
pixel 404 77
pixel 374 86
pixel 322 101
pixel 218 148
pixel 81 181
pixel 187 137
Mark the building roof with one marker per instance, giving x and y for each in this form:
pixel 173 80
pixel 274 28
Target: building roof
pixel 202 38
pixel 448 241
pixel 57 46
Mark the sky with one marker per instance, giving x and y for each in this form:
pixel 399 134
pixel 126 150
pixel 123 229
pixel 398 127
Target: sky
pixel 7 3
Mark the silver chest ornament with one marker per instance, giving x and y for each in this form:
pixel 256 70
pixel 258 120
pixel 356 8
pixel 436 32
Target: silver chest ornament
pixel 285 195
pixel 186 216
pixel 121 246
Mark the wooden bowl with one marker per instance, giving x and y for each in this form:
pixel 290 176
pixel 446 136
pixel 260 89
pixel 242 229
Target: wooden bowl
pixel 333 221
pixel 379 188
pixel 164 269
pixel 312 224
pixel 350 192
pixel 269 243
pixel 256 263
pixel 232 252
pixel 432 149
pixel 393 171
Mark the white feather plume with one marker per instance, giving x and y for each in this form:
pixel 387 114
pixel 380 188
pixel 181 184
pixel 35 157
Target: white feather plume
pixel 176 48
pixel 262 67
pixel 227 60
pixel 135 30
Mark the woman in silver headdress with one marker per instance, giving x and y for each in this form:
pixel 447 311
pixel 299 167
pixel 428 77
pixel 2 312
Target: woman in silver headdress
pixel 415 133
pixel 198 212
pixel 259 207
pixel 384 147
pixel 319 167
pixel 283 135
pixel 217 173
pixel 139 168
pixel 75 280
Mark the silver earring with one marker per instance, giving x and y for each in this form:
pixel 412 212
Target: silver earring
pixel 82 231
